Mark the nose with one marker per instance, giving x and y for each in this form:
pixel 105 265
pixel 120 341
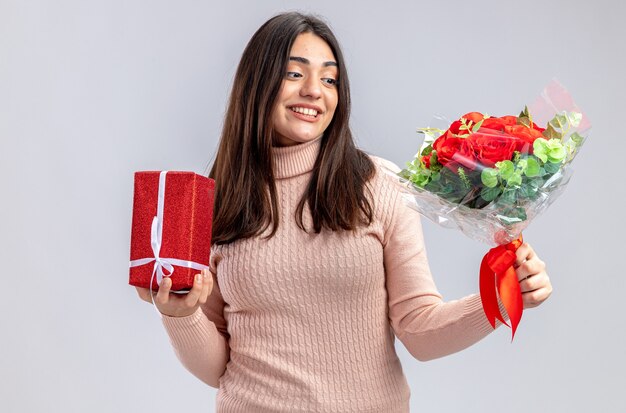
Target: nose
pixel 311 88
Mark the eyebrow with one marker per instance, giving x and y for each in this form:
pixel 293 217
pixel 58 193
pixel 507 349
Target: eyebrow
pixel 308 62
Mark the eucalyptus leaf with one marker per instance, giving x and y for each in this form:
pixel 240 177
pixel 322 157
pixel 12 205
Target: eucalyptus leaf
pixel 527 190
pixel 515 179
pixel 508 196
pixel 552 168
pixel 489 177
pixel 540 149
pixel 506 169
pixel 489 194
pixel 556 155
pixel 532 167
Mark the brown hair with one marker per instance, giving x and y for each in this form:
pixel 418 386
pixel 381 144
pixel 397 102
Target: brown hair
pixel 245 196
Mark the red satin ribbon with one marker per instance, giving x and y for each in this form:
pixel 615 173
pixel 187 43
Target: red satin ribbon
pixel 498 274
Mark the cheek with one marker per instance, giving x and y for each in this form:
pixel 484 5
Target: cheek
pixel 332 107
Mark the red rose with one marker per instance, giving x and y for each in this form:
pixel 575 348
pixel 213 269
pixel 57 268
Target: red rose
pixel 493 124
pixel 526 136
pixel 455 128
pixel 491 148
pixel 474 117
pixel 426 160
pixel 452 150
pixel 509 120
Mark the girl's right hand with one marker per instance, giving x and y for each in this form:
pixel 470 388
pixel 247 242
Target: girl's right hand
pixel 180 305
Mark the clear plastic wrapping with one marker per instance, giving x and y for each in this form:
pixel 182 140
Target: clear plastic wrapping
pixel 491 176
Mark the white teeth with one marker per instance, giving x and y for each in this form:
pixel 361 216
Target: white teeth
pixel 305 111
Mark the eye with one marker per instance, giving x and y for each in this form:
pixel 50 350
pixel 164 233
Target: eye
pixel 293 75
pixel 329 81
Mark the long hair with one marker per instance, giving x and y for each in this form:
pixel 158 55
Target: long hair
pixel 246 202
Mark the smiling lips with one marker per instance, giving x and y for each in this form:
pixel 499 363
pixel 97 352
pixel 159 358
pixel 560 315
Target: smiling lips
pixel 305 112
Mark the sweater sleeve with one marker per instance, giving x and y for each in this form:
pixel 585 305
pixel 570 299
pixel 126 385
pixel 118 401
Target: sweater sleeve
pixel 427 326
pixel 200 340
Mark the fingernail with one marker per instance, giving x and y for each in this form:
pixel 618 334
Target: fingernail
pixel 205 274
pixel 198 278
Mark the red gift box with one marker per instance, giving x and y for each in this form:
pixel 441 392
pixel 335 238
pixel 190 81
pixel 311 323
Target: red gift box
pixel 171 229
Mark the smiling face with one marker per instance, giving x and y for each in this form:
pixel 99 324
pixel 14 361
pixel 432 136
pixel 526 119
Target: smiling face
pixel 308 96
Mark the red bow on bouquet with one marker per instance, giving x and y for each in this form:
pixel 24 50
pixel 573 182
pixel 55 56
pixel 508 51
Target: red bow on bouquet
pixel 498 278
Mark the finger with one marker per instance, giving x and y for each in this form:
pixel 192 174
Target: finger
pixel 523 253
pixel 536 289
pixel 534 298
pixel 207 286
pixel 530 268
pixel 163 295
pixel 194 294
pixel 144 294
pixel 534 282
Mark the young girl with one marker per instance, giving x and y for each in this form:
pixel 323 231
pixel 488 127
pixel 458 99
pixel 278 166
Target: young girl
pixel 316 262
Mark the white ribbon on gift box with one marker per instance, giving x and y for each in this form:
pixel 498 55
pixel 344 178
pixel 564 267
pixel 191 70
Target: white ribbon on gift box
pixel 156 236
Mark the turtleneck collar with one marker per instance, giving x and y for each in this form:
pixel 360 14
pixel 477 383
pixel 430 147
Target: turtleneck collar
pixel 290 161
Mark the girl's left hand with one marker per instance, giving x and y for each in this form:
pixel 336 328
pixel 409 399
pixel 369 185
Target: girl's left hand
pixel 533 279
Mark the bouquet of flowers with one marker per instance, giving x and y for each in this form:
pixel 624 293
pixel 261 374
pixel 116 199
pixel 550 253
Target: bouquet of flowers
pixel 490 176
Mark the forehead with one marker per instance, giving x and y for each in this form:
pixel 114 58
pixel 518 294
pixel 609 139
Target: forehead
pixel 313 48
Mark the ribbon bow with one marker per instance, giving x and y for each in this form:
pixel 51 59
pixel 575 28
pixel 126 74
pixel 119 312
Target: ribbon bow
pixel 498 277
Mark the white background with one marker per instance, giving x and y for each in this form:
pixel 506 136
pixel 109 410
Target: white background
pixel 91 91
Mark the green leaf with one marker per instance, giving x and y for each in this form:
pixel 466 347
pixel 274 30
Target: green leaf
pixel 559 121
pixel 489 194
pixel 508 196
pixel 532 167
pixel 551 133
pixel 525 113
pixel 516 156
pixel 428 149
pixel 523 121
pixel 478 125
pixel 515 179
pixel 506 169
pixel 574 118
pixel 540 149
pixel 555 150
pixel 556 155
pixel 527 190
pixel 489 177
pixel 434 159
pixel 577 138
pixel 464 178
pixel 552 168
